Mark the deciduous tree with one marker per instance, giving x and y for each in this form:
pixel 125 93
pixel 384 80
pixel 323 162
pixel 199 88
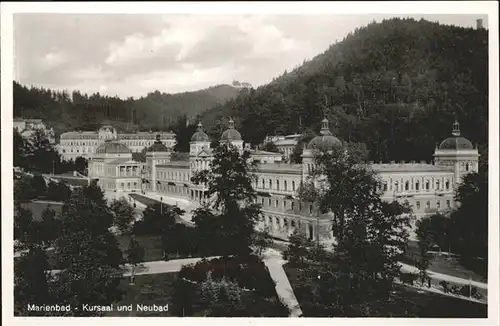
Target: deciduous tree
pixel 88 252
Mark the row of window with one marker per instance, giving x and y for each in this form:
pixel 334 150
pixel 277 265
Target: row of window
pixel 278 184
pixel 287 204
pixel 173 189
pixel 428 204
pixel 173 176
pixel 95 143
pixel 283 223
pixel 407 186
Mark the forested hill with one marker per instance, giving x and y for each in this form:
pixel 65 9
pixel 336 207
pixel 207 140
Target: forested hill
pixel 396 86
pixel 65 111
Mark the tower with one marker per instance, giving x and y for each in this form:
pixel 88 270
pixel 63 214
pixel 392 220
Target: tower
pixel 232 136
pixel 458 154
pixel 200 156
pixel 158 153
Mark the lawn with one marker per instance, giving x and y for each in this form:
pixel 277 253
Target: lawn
pixel 73 181
pixel 409 302
pixel 37 208
pixel 258 296
pixel 442 264
pixel 151 244
pixel 148 290
pixel 144 200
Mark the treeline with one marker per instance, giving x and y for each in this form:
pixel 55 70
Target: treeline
pixel 70 111
pixel 396 86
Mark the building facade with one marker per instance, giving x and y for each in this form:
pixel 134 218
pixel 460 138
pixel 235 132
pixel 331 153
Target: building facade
pixel 112 166
pixel 84 143
pixel 428 188
pixel 27 127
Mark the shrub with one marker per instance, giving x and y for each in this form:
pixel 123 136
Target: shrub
pixel 445 285
pixel 408 278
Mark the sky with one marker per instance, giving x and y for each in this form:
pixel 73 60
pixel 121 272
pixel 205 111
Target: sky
pixel 130 55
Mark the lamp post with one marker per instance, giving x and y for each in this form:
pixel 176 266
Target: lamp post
pixel 161 206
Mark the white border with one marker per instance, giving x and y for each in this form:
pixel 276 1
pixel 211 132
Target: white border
pixel 458 7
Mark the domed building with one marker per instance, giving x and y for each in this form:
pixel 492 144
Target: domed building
pixel 458 154
pixel 427 188
pixel 325 141
pixel 231 135
pixel 113 167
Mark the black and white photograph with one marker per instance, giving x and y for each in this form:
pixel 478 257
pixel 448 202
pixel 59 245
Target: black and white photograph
pixel 304 164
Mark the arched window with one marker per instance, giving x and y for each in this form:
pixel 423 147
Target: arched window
pixel 417 186
pixel 277 184
pixel 407 185
pixel 270 184
pixel 293 185
pixel 263 184
pixel 467 167
pixel 284 185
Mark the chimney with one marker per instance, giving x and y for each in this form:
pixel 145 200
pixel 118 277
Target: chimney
pixel 479 23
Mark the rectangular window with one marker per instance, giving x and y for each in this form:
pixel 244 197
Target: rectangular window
pixel 277 203
pixel 284 204
pixel 438 204
pixel 428 204
pixel 292 205
pixel 417 186
pixel 418 205
pixel 277 185
pixel 310 208
pixel 293 185
pixel 448 204
pixel 269 202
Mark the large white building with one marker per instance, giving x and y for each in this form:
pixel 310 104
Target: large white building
pixel 428 188
pixel 84 143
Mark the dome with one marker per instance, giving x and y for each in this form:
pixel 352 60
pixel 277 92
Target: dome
pixel 325 141
pixel 231 133
pixel 112 147
pixel 158 146
pixel 456 142
pixel 200 135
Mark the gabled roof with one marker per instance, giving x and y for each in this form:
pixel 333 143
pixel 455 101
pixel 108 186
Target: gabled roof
pixel 205 152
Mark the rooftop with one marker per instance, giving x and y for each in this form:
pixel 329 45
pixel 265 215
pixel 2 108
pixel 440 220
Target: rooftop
pixel 259 152
pixel 124 161
pixel 288 141
pixel 176 164
pixel 283 168
pixel 406 167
